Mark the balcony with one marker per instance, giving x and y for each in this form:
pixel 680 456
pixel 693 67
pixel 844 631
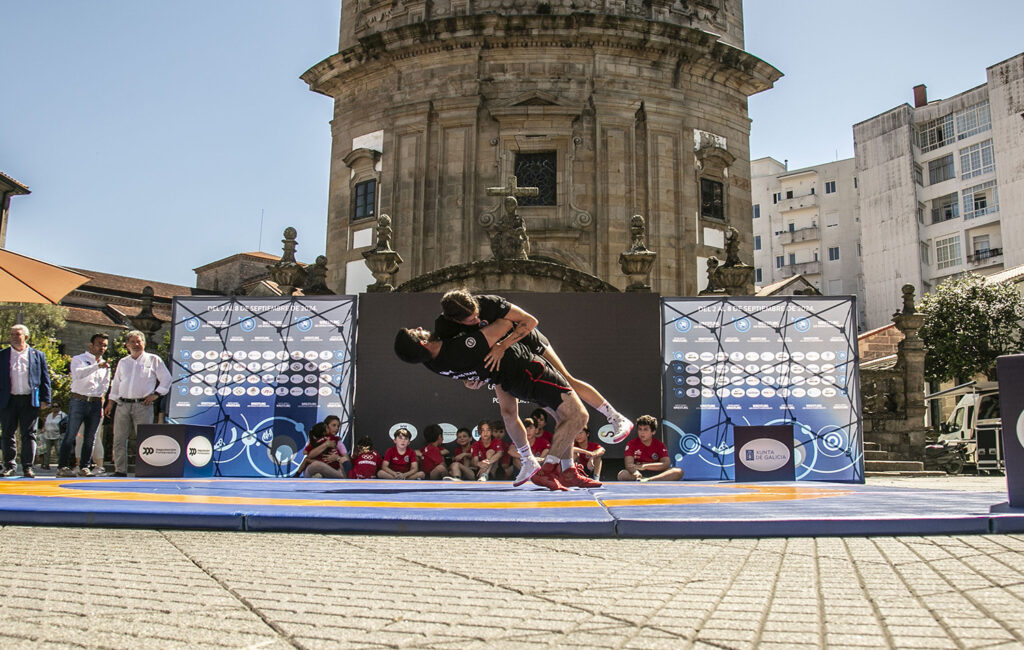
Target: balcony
pixel 985 254
pixel 802 234
pixel 799 203
pixel 801 268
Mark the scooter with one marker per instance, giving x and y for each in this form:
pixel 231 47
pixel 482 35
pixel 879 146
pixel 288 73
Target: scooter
pixel 946 455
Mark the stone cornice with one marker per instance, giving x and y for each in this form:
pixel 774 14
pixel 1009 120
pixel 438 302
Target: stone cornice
pixel 702 52
pixel 577 280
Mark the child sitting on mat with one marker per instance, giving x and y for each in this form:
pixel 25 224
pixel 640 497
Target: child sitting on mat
pixel 367 461
pixel 400 461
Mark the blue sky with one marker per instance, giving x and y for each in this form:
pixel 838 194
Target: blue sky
pixel 153 135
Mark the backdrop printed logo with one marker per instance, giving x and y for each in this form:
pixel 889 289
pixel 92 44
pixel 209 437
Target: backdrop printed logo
pixel 261 394
pixel 159 451
pixel 771 368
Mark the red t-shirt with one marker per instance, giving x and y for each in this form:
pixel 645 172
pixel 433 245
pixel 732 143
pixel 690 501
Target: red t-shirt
pixel 400 462
pixel 431 458
pixel 583 459
pixel 479 451
pixel 459 450
pixel 650 454
pixel 366 465
pixel 332 448
pixel 539 446
pixel 506 459
pixel 546 435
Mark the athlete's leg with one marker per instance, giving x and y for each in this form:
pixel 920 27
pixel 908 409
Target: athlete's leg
pixel 590 395
pixel 517 433
pixel 572 417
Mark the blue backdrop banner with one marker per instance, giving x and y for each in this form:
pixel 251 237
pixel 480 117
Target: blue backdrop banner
pixel 262 371
pixel 746 361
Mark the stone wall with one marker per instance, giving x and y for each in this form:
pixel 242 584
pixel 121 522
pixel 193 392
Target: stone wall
pixel 631 108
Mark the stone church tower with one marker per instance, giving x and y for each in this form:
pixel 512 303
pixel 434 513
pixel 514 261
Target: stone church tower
pixel 611 107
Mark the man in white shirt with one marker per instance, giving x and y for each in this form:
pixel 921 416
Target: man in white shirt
pixel 24 391
pixel 139 380
pixel 90 377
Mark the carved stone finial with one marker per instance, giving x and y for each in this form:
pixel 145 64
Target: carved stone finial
pixel 288 273
pixel 732 247
pixel 637 234
pixel 316 279
pixel 382 261
pixel 637 262
pixel 384 232
pixel 908 299
pixel 146 321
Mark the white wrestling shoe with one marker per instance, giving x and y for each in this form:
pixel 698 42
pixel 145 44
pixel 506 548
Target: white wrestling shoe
pixel 623 426
pixel 530 467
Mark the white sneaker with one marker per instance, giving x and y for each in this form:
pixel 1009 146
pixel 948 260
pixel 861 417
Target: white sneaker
pixel 449 478
pixel 623 426
pixel 482 477
pixel 530 467
pixel 84 472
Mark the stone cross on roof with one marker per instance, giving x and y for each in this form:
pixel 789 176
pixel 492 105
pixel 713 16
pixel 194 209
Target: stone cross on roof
pixel 513 189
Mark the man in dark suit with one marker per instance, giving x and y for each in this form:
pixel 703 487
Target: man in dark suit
pixel 24 391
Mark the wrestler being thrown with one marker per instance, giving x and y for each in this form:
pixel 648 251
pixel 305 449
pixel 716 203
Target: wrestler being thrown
pixel 523 375
pixel 462 311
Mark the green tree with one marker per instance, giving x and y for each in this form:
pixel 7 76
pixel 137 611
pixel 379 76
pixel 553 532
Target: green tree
pixel 43 323
pixel 968 323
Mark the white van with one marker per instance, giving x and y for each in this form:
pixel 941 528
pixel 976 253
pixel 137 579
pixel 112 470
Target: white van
pixel 974 420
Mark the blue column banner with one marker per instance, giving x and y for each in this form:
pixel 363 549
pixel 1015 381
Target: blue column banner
pixel 748 361
pixel 262 372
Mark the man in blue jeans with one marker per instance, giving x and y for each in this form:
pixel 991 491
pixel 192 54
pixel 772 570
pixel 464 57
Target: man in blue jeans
pixel 24 391
pixel 90 377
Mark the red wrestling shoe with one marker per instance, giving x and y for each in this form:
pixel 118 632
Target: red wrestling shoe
pixel 573 477
pixel 548 477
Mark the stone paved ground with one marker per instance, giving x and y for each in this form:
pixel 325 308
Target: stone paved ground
pixel 65 587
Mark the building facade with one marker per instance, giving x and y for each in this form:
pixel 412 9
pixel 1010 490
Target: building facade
pixel 610 107
pixel 806 222
pixel 942 188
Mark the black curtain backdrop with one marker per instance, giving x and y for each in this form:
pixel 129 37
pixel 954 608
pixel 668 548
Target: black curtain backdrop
pixel 610 340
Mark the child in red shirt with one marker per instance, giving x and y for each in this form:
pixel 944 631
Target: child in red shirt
pixel 487 451
pixel 367 461
pixel 505 470
pixel 325 453
pixel 400 461
pixel 587 454
pixel 432 454
pixel 646 457
pixel 462 458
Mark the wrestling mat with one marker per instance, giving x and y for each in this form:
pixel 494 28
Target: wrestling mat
pixel 683 509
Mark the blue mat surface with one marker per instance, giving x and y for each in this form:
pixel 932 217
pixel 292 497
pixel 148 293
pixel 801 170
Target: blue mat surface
pixel 684 509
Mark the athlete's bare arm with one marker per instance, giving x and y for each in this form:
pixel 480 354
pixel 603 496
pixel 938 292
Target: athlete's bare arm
pixel 522 324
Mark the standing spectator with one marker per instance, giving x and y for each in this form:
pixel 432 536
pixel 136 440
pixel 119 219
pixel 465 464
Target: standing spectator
pixel 462 458
pixel 90 378
pixel 140 379
pixel 432 454
pixel 588 454
pixel 400 461
pixel 24 391
pixel 54 426
pixel 366 462
pixel 486 451
pixel 646 458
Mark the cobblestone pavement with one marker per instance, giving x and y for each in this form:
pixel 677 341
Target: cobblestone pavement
pixel 65 587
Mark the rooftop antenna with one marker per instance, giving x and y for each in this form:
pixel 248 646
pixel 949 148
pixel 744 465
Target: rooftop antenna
pixel 260 246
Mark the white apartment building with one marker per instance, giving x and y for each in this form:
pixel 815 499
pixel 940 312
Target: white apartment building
pixel 941 188
pixel 806 222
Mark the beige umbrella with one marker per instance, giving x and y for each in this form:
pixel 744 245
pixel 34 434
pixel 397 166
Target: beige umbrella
pixel 24 279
